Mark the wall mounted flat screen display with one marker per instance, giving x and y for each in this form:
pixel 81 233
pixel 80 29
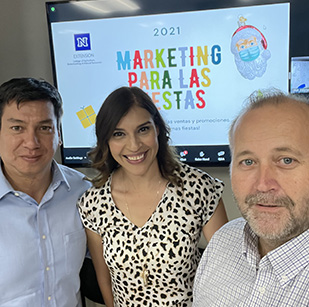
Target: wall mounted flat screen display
pixel 198 64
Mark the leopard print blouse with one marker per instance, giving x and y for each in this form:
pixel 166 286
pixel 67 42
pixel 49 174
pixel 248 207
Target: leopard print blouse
pixel 167 244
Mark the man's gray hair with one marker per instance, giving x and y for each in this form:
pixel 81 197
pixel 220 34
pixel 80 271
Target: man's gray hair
pixel 259 99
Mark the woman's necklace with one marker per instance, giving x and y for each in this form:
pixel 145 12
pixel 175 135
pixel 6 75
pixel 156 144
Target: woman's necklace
pixel 145 273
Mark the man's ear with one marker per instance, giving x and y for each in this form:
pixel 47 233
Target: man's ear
pixel 59 136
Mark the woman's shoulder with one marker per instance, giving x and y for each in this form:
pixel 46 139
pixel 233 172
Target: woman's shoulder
pixel 97 191
pixel 190 174
pixel 191 171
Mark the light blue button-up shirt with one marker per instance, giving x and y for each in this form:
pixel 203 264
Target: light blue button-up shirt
pixel 42 246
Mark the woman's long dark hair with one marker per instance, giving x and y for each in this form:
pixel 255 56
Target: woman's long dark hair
pixel 117 105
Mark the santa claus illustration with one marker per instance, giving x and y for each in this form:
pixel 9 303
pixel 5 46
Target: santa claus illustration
pixel 249 47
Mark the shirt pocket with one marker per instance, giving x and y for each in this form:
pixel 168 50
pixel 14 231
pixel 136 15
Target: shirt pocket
pixel 75 250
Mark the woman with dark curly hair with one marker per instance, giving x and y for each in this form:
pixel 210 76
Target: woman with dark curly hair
pixel 146 212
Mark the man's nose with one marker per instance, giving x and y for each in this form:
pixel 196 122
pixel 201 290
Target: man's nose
pixel 31 140
pixel 266 178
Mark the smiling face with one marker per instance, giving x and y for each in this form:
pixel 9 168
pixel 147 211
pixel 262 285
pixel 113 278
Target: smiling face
pixel 270 170
pixel 29 139
pixel 134 143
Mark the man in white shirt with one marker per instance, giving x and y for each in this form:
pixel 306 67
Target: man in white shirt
pixel 262 259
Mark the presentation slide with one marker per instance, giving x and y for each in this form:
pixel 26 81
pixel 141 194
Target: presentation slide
pixel 198 67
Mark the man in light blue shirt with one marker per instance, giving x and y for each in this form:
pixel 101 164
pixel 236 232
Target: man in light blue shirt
pixel 42 240
pixel 262 260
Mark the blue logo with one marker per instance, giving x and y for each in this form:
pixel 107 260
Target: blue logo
pixel 82 42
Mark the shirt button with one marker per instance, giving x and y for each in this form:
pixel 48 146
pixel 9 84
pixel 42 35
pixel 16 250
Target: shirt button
pixel 16 194
pixel 47 268
pixel 49 298
pixel 262 290
pixel 43 237
pixel 284 278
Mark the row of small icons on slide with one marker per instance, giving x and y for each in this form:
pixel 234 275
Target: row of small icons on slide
pixel 202 157
pixel 182 154
pixel 202 154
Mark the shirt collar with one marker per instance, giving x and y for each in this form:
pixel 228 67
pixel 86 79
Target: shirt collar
pixel 250 246
pixel 58 178
pixel 287 260
pixel 290 258
pixel 5 186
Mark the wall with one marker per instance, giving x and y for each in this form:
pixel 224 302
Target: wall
pixel 24 42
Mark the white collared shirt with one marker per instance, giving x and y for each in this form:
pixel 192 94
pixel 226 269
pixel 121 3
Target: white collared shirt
pixel 231 272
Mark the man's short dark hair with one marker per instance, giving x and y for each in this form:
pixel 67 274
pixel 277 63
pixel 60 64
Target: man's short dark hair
pixel 29 89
